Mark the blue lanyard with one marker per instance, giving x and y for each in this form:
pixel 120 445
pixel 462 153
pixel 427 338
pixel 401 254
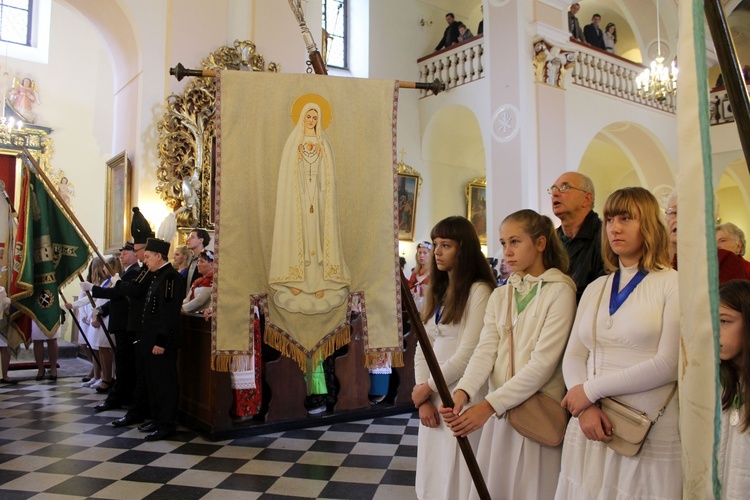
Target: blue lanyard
pixel 616 299
pixel 439 313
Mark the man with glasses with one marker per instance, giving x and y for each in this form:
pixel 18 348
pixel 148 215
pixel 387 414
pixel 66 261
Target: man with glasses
pixel 580 230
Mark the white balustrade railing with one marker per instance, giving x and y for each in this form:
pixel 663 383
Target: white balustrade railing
pixel 592 69
pixel 454 66
pixel 613 75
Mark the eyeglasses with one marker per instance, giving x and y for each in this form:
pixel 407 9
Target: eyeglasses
pixel 670 211
pixel 564 188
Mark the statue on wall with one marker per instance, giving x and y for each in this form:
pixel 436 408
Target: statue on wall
pixel 23 97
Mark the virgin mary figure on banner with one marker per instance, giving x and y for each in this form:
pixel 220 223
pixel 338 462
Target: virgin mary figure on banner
pixel 308 273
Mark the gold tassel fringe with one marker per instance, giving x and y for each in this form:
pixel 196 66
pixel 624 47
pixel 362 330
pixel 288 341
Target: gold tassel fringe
pixel 334 343
pixel 230 362
pixel 285 347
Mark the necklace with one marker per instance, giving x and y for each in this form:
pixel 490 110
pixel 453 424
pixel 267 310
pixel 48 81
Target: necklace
pixel 616 299
pixel 309 153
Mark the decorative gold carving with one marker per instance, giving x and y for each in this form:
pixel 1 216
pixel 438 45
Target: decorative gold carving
pixel 186 137
pixel 551 63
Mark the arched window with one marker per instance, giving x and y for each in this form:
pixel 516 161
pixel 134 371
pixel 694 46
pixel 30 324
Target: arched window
pixel 336 26
pixel 25 29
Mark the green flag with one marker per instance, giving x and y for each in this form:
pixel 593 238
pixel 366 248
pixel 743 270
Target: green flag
pixel 48 253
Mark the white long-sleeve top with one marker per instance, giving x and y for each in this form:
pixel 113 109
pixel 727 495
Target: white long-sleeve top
pixel 469 328
pixel 539 338
pixel 639 352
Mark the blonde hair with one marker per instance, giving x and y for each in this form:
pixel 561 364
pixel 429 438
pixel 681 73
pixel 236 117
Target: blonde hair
pixel 99 273
pixel 640 204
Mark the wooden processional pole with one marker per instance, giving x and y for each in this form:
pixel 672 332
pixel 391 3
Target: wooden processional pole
pixel 316 61
pixel 734 80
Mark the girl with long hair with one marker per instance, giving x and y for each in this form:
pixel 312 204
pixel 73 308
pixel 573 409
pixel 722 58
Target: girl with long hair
pixel 461 281
pixel 420 277
pixel 734 352
pixel 539 301
pixel 625 343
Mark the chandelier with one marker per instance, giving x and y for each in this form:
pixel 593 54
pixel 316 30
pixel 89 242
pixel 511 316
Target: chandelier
pixel 657 82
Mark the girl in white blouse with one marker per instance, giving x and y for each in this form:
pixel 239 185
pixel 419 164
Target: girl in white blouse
pixel 460 284
pixel 734 341
pixel 633 316
pixel 539 301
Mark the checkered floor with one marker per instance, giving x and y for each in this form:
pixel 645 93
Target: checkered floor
pixel 52 445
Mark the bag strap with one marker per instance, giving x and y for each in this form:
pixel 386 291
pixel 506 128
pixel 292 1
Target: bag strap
pixel 509 329
pixel 593 332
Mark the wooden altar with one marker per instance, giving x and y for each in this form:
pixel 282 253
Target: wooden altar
pixel 206 396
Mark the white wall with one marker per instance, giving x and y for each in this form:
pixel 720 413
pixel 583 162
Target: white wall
pixel 76 101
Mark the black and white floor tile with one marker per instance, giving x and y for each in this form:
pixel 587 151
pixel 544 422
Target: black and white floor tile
pixel 52 445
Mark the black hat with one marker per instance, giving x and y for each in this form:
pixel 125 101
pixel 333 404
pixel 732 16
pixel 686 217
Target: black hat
pixel 128 246
pixel 157 246
pixel 140 229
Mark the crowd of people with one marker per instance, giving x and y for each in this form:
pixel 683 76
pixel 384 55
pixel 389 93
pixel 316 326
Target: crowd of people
pixel 589 320
pixel 592 33
pixel 456 32
pixel 132 328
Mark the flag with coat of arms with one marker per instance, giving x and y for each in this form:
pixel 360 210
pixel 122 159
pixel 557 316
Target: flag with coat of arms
pixel 48 253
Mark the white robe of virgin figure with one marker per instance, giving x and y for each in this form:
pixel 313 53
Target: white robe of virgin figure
pixel 308 272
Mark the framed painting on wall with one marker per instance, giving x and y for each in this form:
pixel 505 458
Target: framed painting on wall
pixel 408 184
pixel 476 210
pixel 117 210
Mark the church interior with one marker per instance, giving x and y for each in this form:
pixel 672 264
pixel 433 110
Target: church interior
pixel 523 103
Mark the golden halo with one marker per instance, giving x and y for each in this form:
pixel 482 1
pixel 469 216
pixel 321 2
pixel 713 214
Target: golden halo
pixel 325 108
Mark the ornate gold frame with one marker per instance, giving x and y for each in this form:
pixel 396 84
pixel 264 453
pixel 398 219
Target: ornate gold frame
pixel 476 206
pixel 117 209
pixel 187 133
pixel 410 178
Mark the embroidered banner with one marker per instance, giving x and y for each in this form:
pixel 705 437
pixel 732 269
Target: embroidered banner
pixel 306 223
pixel 699 277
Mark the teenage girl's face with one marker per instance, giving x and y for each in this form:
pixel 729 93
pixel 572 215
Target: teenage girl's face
pixel 311 119
pixel 522 254
pixel 446 254
pixel 179 258
pixel 730 334
pixel 625 238
pixel 423 256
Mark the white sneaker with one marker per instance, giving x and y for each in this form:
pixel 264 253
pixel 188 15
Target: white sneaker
pixel 316 411
pixel 88 384
pixel 96 383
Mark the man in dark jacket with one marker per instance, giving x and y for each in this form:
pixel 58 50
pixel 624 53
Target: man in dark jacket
pixel 124 330
pixel 161 336
pixel 593 33
pixel 450 35
pixel 581 228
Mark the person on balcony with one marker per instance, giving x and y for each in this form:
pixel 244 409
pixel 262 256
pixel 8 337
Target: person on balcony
pixel 480 28
pixel 593 33
pixel 464 33
pixel 450 35
pixel 573 25
pixel 610 37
